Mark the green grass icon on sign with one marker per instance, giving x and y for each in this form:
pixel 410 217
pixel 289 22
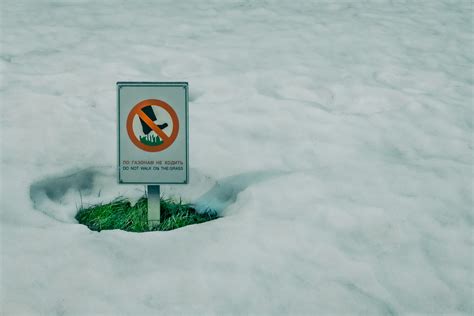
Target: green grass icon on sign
pixel 151 140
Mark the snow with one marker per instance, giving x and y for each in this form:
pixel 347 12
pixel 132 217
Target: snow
pixel 333 137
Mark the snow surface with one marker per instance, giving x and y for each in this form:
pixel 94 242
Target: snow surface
pixel 334 137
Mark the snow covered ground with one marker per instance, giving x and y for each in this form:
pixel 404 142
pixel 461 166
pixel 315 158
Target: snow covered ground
pixel 334 137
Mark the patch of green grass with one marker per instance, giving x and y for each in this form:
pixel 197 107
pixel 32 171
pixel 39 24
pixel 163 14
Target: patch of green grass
pixel 120 214
pixel 151 140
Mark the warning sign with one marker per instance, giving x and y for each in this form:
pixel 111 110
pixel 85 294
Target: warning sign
pixel 153 132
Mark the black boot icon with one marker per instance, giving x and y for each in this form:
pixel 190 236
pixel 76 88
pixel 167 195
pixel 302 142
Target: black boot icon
pixel 148 110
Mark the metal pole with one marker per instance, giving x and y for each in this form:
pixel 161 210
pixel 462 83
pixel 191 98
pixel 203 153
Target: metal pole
pixel 153 206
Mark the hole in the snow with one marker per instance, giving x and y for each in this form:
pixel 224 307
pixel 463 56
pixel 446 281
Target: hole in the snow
pixel 65 196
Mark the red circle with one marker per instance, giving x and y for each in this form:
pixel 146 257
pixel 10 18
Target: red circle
pixel 167 142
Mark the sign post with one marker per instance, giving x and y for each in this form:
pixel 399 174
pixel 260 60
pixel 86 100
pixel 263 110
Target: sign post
pixel 152 137
pixel 154 211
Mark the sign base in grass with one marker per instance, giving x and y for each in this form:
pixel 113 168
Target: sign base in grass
pixel 120 214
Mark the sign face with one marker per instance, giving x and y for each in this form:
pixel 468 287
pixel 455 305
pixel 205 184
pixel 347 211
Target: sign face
pixel 153 132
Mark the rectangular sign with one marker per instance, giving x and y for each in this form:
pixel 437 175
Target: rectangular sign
pixel 153 132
